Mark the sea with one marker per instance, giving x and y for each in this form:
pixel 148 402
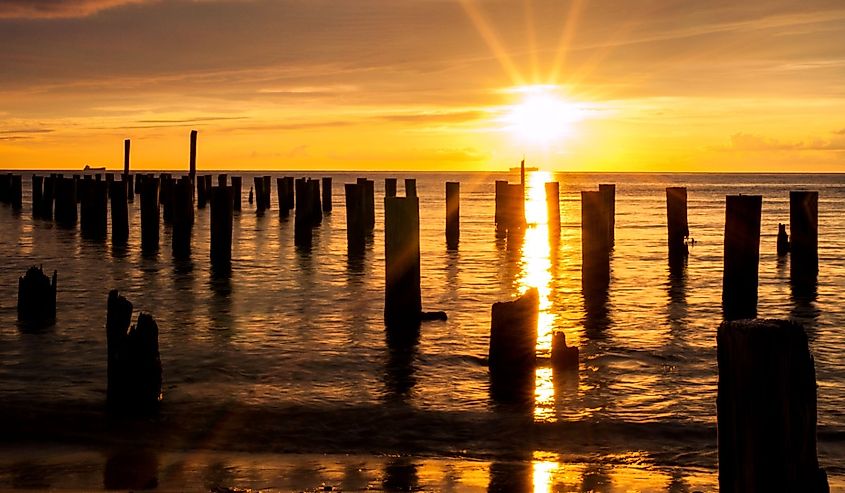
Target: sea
pixel 279 377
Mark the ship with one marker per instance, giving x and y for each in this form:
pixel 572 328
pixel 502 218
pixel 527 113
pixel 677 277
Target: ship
pixel 89 168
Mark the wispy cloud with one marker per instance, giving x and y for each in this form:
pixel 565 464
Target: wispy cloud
pixel 57 8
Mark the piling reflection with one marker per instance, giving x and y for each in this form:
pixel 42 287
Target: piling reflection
pixel 400 371
pixel 400 474
pixel 803 295
pixel 131 470
pixel 511 477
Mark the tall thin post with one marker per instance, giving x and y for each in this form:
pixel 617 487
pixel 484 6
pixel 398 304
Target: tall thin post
pixel 676 223
pixel 804 232
pixel 193 157
pixel 221 226
pixel 608 192
pixel 150 213
pixel 595 243
pixel 453 214
pixel 183 218
pixel 742 255
pixel 327 194
pixel 390 187
pixel 237 185
pixel 119 213
pixel 403 297
pixel 553 206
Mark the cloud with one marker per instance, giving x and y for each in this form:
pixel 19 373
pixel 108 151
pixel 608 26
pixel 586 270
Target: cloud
pixel 51 9
pixel 757 143
pixel 22 133
pixel 435 117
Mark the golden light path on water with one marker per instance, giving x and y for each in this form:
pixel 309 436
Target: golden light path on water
pixel 536 272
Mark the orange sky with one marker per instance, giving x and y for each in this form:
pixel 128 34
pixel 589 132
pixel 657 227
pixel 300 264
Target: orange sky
pixel 657 85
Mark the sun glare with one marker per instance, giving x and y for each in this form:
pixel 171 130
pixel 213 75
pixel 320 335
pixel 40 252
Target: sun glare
pixel 541 116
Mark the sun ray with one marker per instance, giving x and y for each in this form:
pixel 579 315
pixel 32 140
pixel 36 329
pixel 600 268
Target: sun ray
pixel 566 36
pixel 492 41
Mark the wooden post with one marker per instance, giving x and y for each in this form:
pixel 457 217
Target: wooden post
pixel 208 182
pixel 303 220
pixel 403 297
pixel 783 240
pixel 766 408
pixel 37 298
pixel 370 202
pixel 804 231
pixel 390 187
pixel 259 195
pixel 453 214
pixel 221 225
pixel 290 192
pixel 553 206
pixel 501 187
pixel 410 187
pixel 5 186
pixel 119 213
pixel 676 223
pixel 150 215
pixel 608 192
pixel 512 357
pixel 316 205
pixel 742 255
pixel 47 196
pixel 327 194
pixel 355 221
pixel 282 196
pixel 595 242
pixel 134 362
pixel 139 183
pixel 17 193
pixel 126 145
pixel 166 197
pixel 202 195
pixel 192 167
pixel 37 195
pixel 183 218
pixel 94 210
pixel 237 185
pixel 66 212
pixel 222 180
pixel 267 189
pixel 514 208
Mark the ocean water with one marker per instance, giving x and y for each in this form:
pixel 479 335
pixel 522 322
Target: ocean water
pixel 288 354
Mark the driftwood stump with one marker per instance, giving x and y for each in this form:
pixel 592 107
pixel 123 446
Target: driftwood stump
pixel 512 357
pixel 37 298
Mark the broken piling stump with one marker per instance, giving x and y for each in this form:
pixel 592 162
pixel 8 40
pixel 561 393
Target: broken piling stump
pixel 37 298
pixel 316 203
pixel 94 210
pixel 453 214
pixel 783 240
pixel 564 358
pixel 766 408
pixel 512 357
pixel 741 256
pixel 134 364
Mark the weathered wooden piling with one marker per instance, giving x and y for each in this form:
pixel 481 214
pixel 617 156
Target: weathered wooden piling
pixel 259 195
pixel 316 203
pixel 290 193
pixel 221 225
pixel 410 187
pixel 804 232
pixel 47 196
pixel 510 208
pixel 553 206
pixel 94 210
pixel 512 357
pixel 327 194
pixel 166 197
pixel 222 180
pixel 202 192
pixel 403 297
pixel 564 358
pixel 281 195
pixel 37 298
pixel 183 218
pixel 119 213
pixel 267 188
pixel 741 256
pixel 130 189
pixel 356 234
pixel 500 202
pixel 5 186
pixel 783 240
pixel 369 203
pixel 595 242
pixel 139 183
pixel 303 216
pixel 766 408
pixel 16 193
pixel 453 214
pixel 237 185
pixel 192 165
pixel 150 212
pixel 676 222
pixel 134 363
pixel 66 212
pixel 37 191
pixel 250 197
pixel 208 182
pixel 608 192
pixel 390 187
pixel 126 145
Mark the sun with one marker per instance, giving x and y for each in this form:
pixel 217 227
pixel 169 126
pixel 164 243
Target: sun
pixel 541 116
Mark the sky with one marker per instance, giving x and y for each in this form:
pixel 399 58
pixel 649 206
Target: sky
pixel 579 85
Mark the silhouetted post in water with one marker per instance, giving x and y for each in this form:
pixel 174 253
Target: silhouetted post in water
pixel 222 180
pixel 510 208
pixel 369 203
pixel 250 197
pixel 267 189
pixel 237 185
pixel 37 298
pixel 290 192
pixel 109 181
pixel 66 202
pixel 676 222
pixel 221 226
pixel 17 193
pixel 608 192
pixel 119 213
pixel 139 183
pixel 316 203
pixel 564 358
pixel 5 187
pixel 402 293
pixel 192 166
pixel 208 182
pixel 282 196
pixel 453 214
pixel 410 187
pixel 259 195
pixel 355 222
pixel 37 192
pixel 166 197
pixel 512 356
pixel 390 187
pixel 327 194
pixel 77 185
pixel 303 220
pixel 783 240
pixel 150 215
pixel 183 218
pixel 499 216
pixel 766 409
pixel 47 195
pixel 201 192
pixel 595 242
pixel 742 255
pixel 553 206
pixel 94 210
pixel 804 231
pixel 130 190
pixel 134 364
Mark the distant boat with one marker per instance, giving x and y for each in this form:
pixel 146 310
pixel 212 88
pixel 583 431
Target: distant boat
pixel 89 168
pixel 527 168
